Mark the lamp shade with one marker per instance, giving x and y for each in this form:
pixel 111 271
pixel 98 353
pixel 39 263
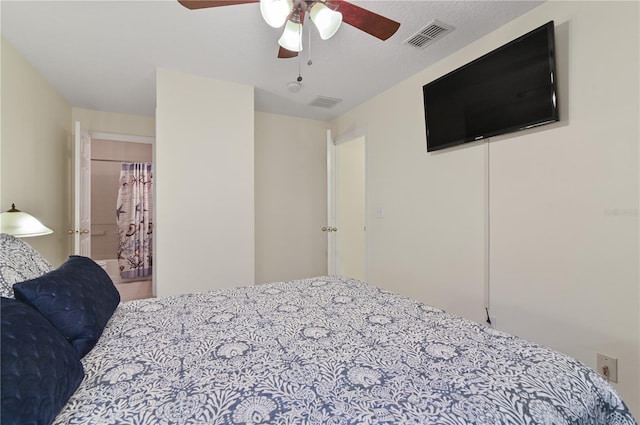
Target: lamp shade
pixel 275 12
pixel 326 20
pixel 21 224
pixel 291 38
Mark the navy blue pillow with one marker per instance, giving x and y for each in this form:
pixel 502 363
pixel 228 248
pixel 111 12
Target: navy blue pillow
pixel 78 298
pixel 40 370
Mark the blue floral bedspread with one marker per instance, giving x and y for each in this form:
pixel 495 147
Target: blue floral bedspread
pixel 326 350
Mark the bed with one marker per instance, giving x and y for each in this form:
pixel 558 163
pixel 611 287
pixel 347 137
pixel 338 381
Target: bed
pixel 324 350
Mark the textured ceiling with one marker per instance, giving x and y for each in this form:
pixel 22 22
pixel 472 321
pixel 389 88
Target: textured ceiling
pixel 103 54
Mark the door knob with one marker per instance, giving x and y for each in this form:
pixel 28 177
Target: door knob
pixel 334 229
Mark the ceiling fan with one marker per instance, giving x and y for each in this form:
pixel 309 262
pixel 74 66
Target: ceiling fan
pixel 327 15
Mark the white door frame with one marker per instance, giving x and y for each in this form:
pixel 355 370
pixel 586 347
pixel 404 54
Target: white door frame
pixel 331 192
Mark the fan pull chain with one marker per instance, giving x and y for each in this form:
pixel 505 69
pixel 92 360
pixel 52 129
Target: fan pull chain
pixel 299 58
pixel 310 62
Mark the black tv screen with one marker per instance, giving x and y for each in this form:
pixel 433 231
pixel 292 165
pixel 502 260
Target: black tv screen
pixel 509 89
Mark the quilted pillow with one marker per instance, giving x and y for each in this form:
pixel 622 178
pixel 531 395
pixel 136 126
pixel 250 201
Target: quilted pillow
pixel 18 262
pixel 40 370
pixel 78 298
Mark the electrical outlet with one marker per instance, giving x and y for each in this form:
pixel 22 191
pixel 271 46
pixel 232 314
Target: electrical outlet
pixel 607 367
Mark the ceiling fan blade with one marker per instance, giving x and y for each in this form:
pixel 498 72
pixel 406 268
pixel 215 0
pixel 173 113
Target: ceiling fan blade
pixel 365 20
pixel 203 4
pixel 285 54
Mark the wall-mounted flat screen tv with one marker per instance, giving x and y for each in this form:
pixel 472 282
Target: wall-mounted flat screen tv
pixel 510 88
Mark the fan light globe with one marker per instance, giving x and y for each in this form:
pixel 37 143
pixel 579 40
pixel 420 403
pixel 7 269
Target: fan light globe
pixel 292 37
pixel 326 20
pixel 275 12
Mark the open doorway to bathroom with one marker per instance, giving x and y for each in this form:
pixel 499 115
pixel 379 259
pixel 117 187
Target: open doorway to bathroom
pixel 107 157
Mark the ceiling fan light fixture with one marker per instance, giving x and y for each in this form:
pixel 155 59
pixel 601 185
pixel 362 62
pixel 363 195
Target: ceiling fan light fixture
pixel 275 12
pixel 291 38
pixel 326 20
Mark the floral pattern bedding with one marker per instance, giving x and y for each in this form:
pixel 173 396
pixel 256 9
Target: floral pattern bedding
pixel 18 262
pixel 327 350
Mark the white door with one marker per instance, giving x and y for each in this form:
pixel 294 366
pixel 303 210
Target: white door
pixel 347 206
pixel 82 192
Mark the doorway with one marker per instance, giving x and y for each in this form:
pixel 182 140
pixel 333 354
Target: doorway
pixel 347 204
pixel 98 165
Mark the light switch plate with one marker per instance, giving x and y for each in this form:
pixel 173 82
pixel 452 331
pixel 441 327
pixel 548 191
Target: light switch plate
pixel 607 367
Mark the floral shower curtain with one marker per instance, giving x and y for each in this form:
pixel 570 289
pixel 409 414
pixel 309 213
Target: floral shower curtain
pixel 134 220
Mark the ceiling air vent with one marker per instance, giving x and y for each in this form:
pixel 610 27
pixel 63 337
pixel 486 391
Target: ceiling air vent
pixel 325 102
pixel 429 34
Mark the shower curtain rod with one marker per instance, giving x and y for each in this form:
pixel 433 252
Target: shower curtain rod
pixel 117 160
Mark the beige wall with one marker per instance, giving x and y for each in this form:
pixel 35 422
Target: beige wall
pixel 204 161
pixel 560 260
pixel 34 150
pixel 290 197
pixel 564 264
